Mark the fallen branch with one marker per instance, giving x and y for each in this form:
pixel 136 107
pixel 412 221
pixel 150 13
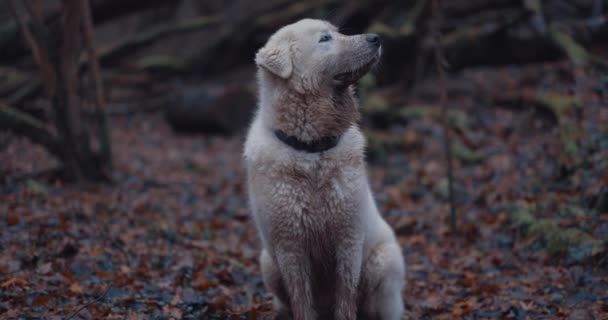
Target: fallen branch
pixel 22 123
pixel 103 11
pixel 10 117
pixel 122 47
pixel 28 89
pixel 130 44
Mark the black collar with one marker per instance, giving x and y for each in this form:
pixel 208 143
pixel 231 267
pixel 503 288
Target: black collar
pixel 320 145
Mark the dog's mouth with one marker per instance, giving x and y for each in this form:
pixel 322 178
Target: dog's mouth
pixel 349 77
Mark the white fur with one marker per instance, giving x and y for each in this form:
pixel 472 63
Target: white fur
pixel 326 249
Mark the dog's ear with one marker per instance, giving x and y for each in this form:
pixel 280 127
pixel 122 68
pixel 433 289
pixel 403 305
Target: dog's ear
pixel 276 59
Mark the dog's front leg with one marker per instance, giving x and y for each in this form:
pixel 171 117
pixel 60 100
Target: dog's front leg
pixel 296 272
pixel 349 257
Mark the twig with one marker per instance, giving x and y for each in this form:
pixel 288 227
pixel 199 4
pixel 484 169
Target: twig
pixel 88 304
pixel 444 110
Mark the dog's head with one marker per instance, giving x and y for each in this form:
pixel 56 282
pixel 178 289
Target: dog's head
pixel 312 55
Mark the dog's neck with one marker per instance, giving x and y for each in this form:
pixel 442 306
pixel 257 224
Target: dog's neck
pixel 312 117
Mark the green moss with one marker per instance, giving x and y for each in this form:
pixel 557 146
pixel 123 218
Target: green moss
pixel 560 103
pixel 37 187
pixel 442 189
pixel 376 103
pixel 521 216
pixel 466 154
pixel 416 112
pixel 383 29
pixel 563 107
pixel 575 51
pixel 558 239
pixel 379 144
pixel 456 118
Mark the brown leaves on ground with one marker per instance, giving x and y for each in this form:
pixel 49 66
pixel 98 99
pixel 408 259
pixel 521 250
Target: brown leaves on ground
pixel 172 238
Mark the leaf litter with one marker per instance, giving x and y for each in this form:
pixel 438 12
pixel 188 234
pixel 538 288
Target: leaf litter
pixel 172 237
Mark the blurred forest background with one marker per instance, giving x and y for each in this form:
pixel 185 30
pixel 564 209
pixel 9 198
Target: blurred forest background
pixel 122 123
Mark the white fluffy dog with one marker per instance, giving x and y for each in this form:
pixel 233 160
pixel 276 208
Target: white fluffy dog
pixel 328 254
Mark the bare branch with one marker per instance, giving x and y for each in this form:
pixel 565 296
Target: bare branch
pixel 19 117
pixel 41 58
pixel 35 10
pixel 28 126
pixel 89 40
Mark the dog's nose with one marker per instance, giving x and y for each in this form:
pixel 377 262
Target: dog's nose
pixel 373 39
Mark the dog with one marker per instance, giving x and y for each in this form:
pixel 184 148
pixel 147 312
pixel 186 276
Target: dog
pixel 327 252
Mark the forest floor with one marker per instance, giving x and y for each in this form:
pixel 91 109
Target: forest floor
pixel 172 237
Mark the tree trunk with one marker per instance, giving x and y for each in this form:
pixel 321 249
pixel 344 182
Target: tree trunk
pixel 57 56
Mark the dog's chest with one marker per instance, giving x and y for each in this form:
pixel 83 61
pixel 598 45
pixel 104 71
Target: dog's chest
pixel 313 199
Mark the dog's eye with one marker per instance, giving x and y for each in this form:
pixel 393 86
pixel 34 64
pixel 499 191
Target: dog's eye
pixel 325 38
